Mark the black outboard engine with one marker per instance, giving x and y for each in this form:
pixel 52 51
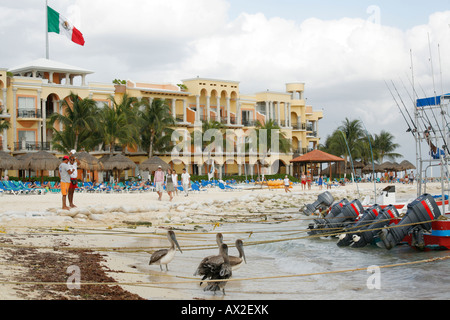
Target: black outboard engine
pixel 334 211
pixel 364 222
pixel 339 219
pixel 324 200
pixel 386 217
pixel 423 209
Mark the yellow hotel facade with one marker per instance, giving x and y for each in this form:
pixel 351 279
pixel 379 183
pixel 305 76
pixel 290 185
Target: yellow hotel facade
pixel 30 93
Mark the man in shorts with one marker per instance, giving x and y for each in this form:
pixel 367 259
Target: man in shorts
pixel 64 173
pixel 159 181
pixel 73 163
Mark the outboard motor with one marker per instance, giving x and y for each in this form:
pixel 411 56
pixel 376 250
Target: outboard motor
pixel 423 209
pixel 334 211
pixel 323 200
pixel 340 218
pixel 387 216
pixel 349 214
pixel 367 218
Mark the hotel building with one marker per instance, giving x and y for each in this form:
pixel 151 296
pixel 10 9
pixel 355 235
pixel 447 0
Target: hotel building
pixel 30 93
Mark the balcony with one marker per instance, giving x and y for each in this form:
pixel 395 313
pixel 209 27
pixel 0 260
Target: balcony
pixel 29 113
pixel 31 146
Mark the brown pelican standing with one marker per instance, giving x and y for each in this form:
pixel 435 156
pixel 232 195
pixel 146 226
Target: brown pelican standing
pixel 219 271
pixel 236 262
pixel 204 269
pixel 165 256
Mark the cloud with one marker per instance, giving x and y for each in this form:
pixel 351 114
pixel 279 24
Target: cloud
pixel 343 62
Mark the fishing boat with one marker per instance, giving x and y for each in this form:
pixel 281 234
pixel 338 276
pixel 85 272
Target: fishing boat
pixel 423 223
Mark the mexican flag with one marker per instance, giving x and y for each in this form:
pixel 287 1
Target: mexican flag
pixel 59 24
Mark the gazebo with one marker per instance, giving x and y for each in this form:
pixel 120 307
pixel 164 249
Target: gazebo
pixel 314 157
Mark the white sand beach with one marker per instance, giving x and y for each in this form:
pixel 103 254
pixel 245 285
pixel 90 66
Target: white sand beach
pixel 104 221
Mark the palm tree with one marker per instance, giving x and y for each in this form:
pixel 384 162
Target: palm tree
pixel 79 119
pixel 155 124
pixel 115 128
pixel 385 146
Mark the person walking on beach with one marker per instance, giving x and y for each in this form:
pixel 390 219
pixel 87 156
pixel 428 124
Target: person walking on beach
pixel 287 184
pixel 320 182
pixel 175 181
pixel 73 164
pixel 309 180
pixel 159 181
pixel 169 184
pixel 185 181
pixel 64 174
pixel 303 178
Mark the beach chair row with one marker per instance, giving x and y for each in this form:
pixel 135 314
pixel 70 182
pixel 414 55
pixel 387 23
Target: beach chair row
pixel 19 187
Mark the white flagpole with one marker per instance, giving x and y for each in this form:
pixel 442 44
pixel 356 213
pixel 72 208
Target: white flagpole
pixel 47 55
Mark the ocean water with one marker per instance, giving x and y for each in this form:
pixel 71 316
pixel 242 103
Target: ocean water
pixel 291 262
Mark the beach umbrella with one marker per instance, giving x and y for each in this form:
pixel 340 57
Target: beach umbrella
pixel 369 168
pixel 41 161
pixel 406 165
pixel 152 164
pixel 88 161
pixel 388 166
pixel 8 162
pixel 117 163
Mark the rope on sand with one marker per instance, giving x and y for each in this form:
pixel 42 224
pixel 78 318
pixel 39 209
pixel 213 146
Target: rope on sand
pixel 228 280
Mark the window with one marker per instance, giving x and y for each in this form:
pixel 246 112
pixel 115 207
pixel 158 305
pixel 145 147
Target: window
pixel 27 103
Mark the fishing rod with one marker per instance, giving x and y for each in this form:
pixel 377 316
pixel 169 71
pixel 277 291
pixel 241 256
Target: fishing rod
pixel 414 103
pixel 413 131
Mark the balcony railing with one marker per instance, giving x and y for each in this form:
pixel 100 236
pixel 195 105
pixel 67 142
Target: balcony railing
pixel 29 113
pixel 31 146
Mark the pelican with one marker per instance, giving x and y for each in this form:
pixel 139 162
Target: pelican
pixel 219 271
pixel 204 269
pixel 236 262
pixel 165 256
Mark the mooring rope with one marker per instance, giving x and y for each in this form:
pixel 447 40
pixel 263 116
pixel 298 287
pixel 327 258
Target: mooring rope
pixel 228 280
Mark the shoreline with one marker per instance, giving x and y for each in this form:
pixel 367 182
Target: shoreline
pixel 107 223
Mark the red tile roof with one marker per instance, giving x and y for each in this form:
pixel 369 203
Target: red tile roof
pixel 317 156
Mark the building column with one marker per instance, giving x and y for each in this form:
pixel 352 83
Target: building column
pixel 44 123
pixel 238 112
pixel 39 103
pixel 14 117
pixel 218 109
pixel 5 97
pixel 197 111
pixel 289 115
pixel 174 109
pixel 4 111
pixel 228 111
pixel 208 108
pixel 267 111
pixel 285 115
pixel 279 113
pixel 184 111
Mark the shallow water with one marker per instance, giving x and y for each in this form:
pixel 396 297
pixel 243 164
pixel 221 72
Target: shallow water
pixel 298 258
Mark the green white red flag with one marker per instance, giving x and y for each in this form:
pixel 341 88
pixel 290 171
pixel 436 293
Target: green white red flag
pixel 59 24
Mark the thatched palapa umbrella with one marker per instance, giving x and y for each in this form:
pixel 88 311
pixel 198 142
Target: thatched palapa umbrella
pixel 117 163
pixel 8 162
pixel 152 164
pixel 41 161
pixel 88 161
pixel 406 165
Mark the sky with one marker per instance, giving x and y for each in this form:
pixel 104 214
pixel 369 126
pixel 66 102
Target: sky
pixel 343 51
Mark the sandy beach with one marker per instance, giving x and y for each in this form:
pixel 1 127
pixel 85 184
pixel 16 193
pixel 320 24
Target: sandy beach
pixel 121 230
